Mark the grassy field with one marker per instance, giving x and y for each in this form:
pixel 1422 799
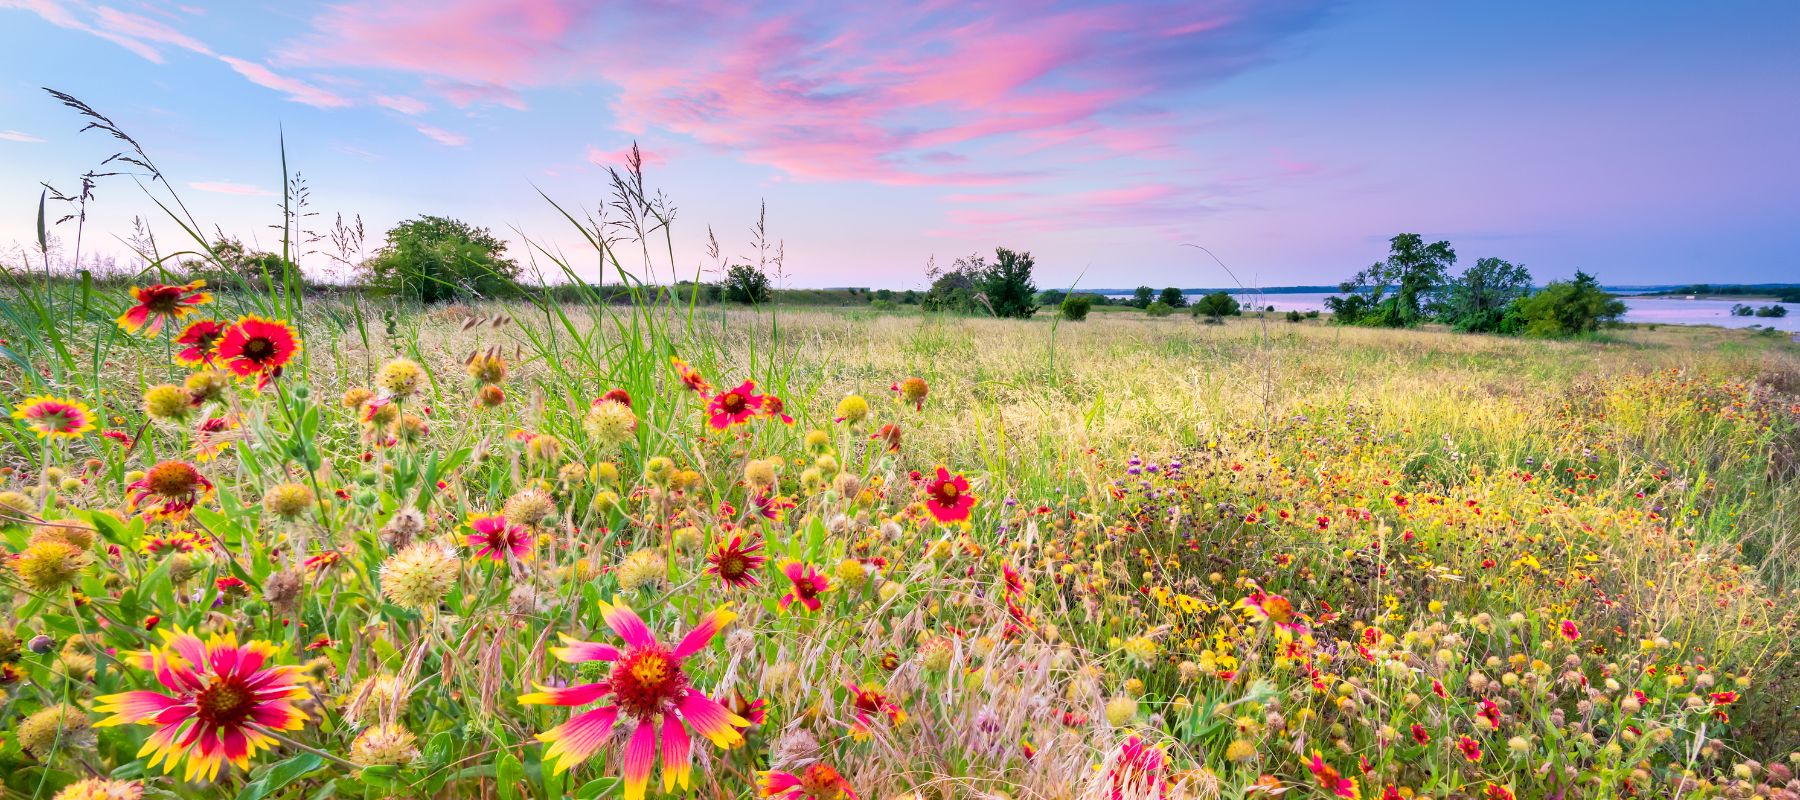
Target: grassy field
pixel 1255 559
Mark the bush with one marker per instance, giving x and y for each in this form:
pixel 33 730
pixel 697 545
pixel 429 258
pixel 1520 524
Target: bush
pixel 746 284
pixel 1772 311
pixel 1159 309
pixel 1217 306
pixel 1075 307
pixel 1567 308
pixel 883 305
pixel 1142 297
pixel 1294 316
pixel 1174 298
pixel 438 259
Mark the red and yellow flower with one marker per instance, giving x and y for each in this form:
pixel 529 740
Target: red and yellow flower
pixel 168 490
pixel 54 417
pixel 807 583
pixel 257 347
pixel 199 336
pixel 736 563
pixel 734 406
pixel 947 497
pixel 1330 780
pixel 492 537
pixel 817 782
pixel 223 701
pixel 647 684
pixel 158 302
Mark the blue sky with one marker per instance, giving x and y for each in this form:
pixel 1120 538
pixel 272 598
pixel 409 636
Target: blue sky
pixel 1650 142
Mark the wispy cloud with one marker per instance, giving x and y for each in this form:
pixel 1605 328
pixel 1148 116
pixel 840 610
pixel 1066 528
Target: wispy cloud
pixel 227 187
pixel 19 136
pixel 296 90
pixel 443 137
pixel 618 157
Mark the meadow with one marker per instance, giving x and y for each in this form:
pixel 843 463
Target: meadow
pixel 344 547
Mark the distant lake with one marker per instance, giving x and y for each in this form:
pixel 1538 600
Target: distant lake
pixel 1648 310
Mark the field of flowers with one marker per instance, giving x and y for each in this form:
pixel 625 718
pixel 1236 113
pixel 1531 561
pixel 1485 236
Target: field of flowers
pixel 260 545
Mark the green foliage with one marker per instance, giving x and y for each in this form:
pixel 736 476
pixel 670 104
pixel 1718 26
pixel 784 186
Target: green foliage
pixel 1294 316
pixel 1159 309
pixel 1216 306
pixel 1173 298
pixel 1007 283
pixel 746 284
pixel 437 259
pixel 1478 301
pixel 1051 297
pixel 1075 307
pixel 1397 292
pixel 1568 308
pixel 1142 297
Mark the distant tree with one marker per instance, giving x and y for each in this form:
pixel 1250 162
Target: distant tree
pixel 1075 307
pixel 1478 300
pixel 1567 308
pixel 746 284
pixel 1216 306
pixel 1173 298
pixel 1143 297
pixel 1008 286
pixel 884 294
pixel 910 297
pixel 1051 297
pixel 1159 309
pixel 1772 311
pixel 1741 310
pixel 1399 291
pixel 1294 316
pixel 434 259
pixel 955 289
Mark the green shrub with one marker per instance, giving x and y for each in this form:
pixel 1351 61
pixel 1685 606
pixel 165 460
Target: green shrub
pixel 438 259
pixel 1075 307
pixel 1159 309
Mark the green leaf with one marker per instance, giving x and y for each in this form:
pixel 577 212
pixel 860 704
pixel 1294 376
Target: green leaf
pixel 509 775
pixel 280 775
pixel 599 787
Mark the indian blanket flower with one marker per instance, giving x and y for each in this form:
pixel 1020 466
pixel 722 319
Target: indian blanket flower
pixel 734 406
pixel 169 490
pixel 254 346
pixel 493 538
pixel 807 584
pixel 1469 748
pixel 54 417
pixel 223 702
pixel 1136 770
pixel 101 789
pixel 1274 608
pixel 912 390
pixel 947 497
pixel 816 782
pixel 691 378
pixel 158 302
pixel 889 436
pixel 199 336
pixel 648 685
pixel 736 563
pixel 1330 780
pixel 869 701
pixel 1568 630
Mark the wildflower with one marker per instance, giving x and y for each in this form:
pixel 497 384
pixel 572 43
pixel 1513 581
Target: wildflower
pixel 486 368
pixel 158 302
pixel 168 402
pixel 58 727
pixel 400 378
pixel 816 782
pixel 912 390
pixel 1419 734
pixel 644 567
pixel 807 584
pixel 610 424
pixel 648 685
pixel 380 745
pixel 736 564
pixel 759 473
pixel 1136 769
pixel 1469 748
pixel 373 697
pixel 853 409
pixel 616 395
pixel 1568 630
pixel 1495 791
pixel 936 654
pixel 889 437
pixel 1273 608
pixel 50 565
pixel 199 336
pixel 529 509
pixel 489 396
pixel 420 576
pixel 868 701
pixel 1329 779
pixel 690 377
pixel 257 346
pixel 225 701
pixel 775 409
pixel 493 538
pixel 734 407
pixel 543 448
pixel 947 497
pixel 101 789
pixel 54 417
pixel 1121 710
pixel 205 385
pixel 171 487
pixel 288 500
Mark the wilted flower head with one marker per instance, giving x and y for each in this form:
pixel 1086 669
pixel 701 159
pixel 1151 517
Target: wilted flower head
pixel 420 576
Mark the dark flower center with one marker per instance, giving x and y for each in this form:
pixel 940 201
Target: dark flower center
pixel 163 301
pixel 225 702
pixel 733 565
pixel 732 403
pixel 259 349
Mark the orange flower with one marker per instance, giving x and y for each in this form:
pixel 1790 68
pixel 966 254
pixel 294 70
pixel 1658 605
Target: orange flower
pixel 258 347
pixel 200 336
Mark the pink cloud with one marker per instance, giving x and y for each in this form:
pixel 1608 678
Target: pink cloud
pixel 443 137
pixel 404 105
pixel 226 187
pixel 296 90
pixel 19 136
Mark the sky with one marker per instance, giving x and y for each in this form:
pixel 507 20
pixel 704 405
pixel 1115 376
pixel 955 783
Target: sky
pixel 1653 142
